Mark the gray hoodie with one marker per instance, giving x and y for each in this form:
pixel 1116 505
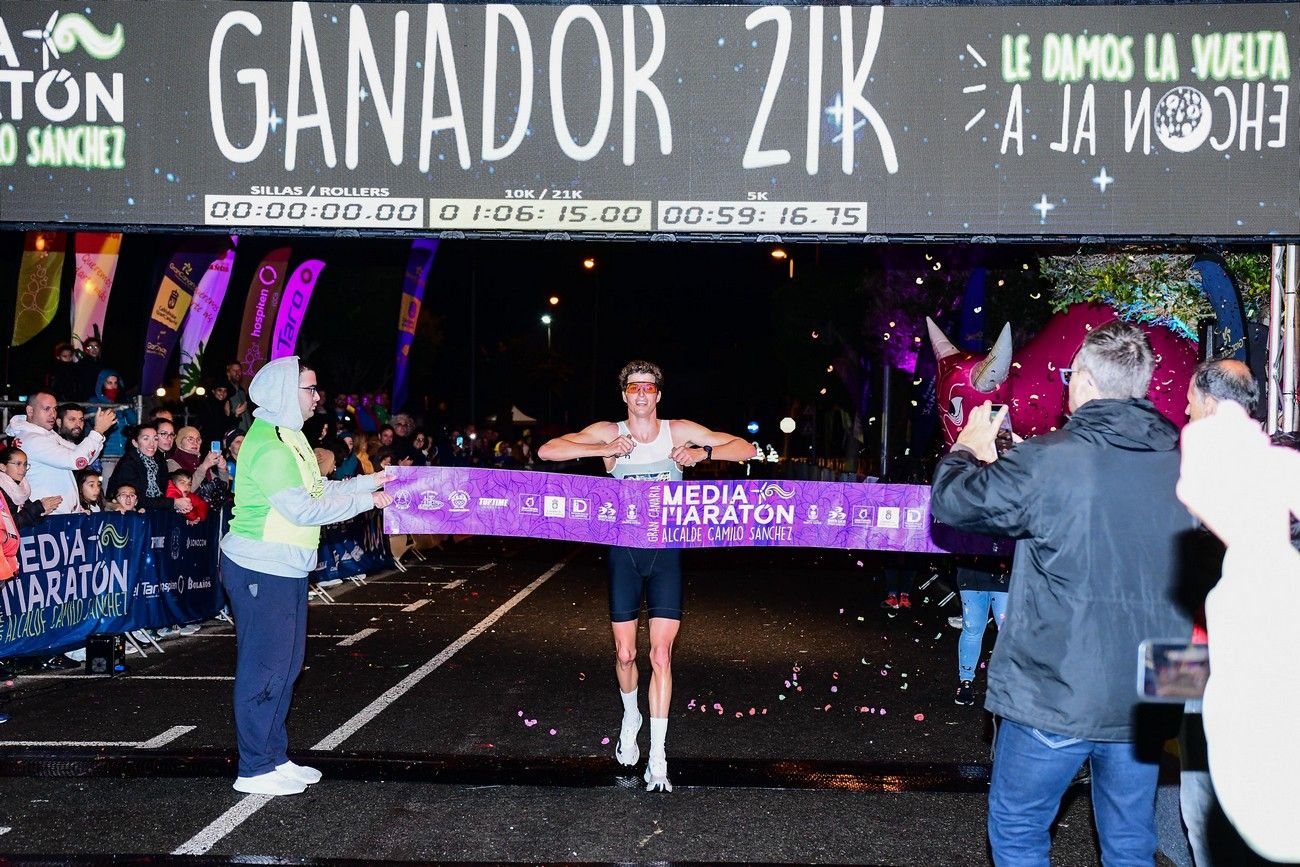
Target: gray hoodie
pixel 275 391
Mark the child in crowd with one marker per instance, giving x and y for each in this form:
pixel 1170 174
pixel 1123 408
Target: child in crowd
pixel 180 484
pixel 125 500
pixel 90 490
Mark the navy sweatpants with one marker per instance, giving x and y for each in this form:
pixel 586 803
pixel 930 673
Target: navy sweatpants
pixel 270 614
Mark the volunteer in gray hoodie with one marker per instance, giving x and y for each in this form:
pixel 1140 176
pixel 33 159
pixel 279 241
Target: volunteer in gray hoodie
pixel 280 505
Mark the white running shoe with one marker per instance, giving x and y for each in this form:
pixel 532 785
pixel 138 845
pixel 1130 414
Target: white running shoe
pixel 270 783
pixel 956 622
pixel 188 629
pixel 626 750
pixel 301 773
pixel 656 774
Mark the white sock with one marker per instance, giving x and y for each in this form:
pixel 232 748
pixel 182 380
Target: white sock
pixel 629 703
pixel 658 734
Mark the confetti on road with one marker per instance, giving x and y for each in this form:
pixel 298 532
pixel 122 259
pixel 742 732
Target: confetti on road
pixel 530 722
pixel 552 730
pixel 920 717
pixel 604 742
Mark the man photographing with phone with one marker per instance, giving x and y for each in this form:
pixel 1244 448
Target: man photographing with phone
pixel 52 458
pixel 1093 508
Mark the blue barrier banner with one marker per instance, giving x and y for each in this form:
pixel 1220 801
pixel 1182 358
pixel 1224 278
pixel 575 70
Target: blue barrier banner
pixel 356 546
pixel 76 571
pixel 177 580
pixel 82 574
pixel 107 572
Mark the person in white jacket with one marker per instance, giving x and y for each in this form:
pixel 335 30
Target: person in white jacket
pixel 1246 491
pixel 52 459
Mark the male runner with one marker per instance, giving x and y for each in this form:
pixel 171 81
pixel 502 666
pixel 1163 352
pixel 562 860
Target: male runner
pixel 645 448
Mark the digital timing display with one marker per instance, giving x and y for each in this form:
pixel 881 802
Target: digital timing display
pixel 846 122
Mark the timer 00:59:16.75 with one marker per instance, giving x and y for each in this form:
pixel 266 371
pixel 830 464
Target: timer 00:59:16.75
pixel 772 216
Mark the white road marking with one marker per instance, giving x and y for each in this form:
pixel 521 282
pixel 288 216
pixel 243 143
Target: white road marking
pixel 350 640
pixel 417 605
pixel 370 604
pixel 79 676
pixel 201 842
pixel 228 821
pixel 166 737
pixel 452 585
pixel 372 710
pixel 153 743
pixel 485 567
pixel 4 830
pixel 232 635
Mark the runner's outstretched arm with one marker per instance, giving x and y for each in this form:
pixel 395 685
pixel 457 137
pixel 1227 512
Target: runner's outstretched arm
pixel 689 436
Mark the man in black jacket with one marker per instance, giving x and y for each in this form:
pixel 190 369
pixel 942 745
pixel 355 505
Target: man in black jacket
pixel 1094 573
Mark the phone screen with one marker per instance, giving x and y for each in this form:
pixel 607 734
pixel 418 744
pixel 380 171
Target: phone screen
pixel 215 445
pixel 996 408
pixel 1172 670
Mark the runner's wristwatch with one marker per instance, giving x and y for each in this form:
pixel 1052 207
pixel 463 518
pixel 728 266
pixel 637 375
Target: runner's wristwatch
pixel 708 452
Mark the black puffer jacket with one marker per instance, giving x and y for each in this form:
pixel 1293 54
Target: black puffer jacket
pixel 1097 567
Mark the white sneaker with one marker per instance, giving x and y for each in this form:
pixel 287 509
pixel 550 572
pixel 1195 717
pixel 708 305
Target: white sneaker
pixel 270 783
pixel 140 635
pixel 956 622
pixel 329 582
pixel 188 629
pixel 300 773
pixel 656 775
pixel 78 655
pixel 626 750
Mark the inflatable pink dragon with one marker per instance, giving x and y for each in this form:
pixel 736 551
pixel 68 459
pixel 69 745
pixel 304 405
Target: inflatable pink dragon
pixel 1031 382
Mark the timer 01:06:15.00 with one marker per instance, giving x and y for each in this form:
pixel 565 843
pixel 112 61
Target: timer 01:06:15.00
pixel 596 215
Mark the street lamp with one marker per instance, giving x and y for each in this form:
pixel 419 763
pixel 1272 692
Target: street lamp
pixel 779 253
pixel 546 320
pixel 589 263
pixel 554 300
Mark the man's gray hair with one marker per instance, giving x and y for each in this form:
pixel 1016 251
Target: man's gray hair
pixel 1227 379
pixel 1119 357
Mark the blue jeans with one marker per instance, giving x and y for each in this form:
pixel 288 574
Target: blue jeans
pixel 1031 771
pixel 975 605
pixel 270 614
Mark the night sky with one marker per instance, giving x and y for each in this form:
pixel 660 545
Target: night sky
pixel 705 312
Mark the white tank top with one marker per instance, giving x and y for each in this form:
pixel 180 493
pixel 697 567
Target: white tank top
pixel 650 461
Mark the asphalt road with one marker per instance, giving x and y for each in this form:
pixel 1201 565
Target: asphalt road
pixel 466 710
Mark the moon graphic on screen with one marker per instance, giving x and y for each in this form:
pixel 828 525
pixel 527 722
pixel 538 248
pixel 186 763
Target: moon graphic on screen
pixel 1182 119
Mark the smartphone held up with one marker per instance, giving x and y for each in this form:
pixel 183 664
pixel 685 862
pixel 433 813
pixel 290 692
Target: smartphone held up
pixel 1003 441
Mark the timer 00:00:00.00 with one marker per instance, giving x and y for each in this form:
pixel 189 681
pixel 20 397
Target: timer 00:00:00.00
pixel 220 209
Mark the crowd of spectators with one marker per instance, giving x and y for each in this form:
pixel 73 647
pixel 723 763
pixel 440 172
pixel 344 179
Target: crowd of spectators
pixel 85 443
